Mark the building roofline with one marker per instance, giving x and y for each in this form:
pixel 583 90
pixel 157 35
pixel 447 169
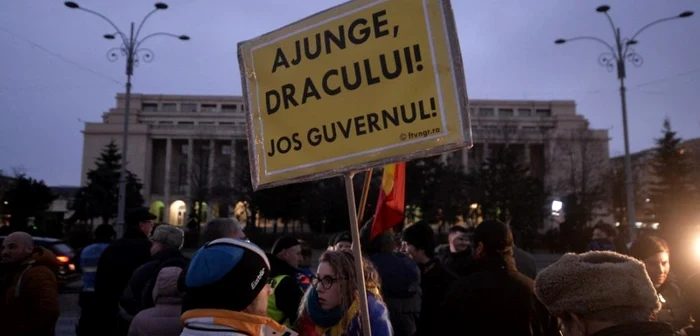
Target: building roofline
pixel 162 96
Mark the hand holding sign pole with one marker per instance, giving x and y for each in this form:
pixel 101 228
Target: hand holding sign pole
pixel 360 85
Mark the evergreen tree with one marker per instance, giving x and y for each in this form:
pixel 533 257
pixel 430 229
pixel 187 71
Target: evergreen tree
pixel 26 198
pixel 424 187
pixel 672 193
pixel 100 197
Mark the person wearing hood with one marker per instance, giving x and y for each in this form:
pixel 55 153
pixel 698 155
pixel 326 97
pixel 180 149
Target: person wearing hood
pixel 167 240
pixel 163 319
pixel 456 254
pixel 116 266
pixel 400 278
pixel 29 292
pixel 285 276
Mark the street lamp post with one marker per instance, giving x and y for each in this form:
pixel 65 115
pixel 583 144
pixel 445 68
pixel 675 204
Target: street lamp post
pixel 615 57
pixel 134 53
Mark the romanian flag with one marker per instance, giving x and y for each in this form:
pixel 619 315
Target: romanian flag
pixel 392 196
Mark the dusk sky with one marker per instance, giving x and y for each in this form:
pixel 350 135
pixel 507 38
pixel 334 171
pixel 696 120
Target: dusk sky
pixel 54 74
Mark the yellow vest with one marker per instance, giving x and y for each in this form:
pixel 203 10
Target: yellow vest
pixel 272 311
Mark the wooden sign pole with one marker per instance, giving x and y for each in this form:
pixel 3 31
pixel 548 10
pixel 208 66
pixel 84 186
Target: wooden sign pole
pixel 357 251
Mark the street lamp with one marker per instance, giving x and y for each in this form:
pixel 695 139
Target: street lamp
pixel 134 53
pixel 615 57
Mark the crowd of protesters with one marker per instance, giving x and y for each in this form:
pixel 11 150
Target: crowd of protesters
pixel 479 283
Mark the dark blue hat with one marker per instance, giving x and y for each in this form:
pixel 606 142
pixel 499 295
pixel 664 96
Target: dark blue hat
pixel 225 274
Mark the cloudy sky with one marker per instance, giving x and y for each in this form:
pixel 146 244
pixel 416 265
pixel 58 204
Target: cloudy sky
pixel 54 74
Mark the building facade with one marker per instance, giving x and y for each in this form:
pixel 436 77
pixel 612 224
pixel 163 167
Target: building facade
pixel 179 145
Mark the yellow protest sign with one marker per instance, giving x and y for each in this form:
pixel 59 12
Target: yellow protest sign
pixel 361 84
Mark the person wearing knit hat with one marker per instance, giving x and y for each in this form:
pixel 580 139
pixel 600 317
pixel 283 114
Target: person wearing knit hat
pixel 227 290
pixel 166 236
pixel 655 254
pixel 600 293
pixel 166 242
pixel 418 241
pixel 495 291
pixel 286 280
pixel 343 241
pixel 331 242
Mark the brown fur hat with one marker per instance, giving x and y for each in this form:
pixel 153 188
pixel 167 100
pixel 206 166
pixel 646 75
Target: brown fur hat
pixel 591 282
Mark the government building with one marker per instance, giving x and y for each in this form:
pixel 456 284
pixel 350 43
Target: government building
pixel 181 144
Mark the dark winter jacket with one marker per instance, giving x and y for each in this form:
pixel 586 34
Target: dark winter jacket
pixel 601 245
pixel 457 263
pixel 674 308
pixel 637 329
pixel 436 280
pixel 400 290
pixel 287 292
pixel 495 299
pixel 117 264
pixel 138 294
pixel 525 263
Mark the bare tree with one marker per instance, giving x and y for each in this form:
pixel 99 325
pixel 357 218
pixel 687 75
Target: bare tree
pixel 581 171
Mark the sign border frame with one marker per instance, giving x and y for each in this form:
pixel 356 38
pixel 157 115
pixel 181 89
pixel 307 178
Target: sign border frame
pixel 457 75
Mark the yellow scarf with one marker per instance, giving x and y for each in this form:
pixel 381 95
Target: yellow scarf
pixel 339 329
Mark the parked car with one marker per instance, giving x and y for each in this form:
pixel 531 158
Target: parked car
pixel 65 255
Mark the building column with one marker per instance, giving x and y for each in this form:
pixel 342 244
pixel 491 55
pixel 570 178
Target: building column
pixel 232 164
pixel 167 179
pixel 527 155
pixel 190 158
pixel 212 156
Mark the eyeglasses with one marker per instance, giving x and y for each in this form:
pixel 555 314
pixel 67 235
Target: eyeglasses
pixel 326 281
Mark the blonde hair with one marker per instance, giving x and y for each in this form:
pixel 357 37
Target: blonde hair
pixel 343 263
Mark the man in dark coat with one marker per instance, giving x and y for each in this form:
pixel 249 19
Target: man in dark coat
pixel 117 264
pixel 418 241
pixel 167 241
pixel 400 280
pixel 494 299
pixel 456 254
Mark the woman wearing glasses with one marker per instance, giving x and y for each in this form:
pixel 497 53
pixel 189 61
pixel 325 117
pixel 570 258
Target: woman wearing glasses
pixel 331 305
